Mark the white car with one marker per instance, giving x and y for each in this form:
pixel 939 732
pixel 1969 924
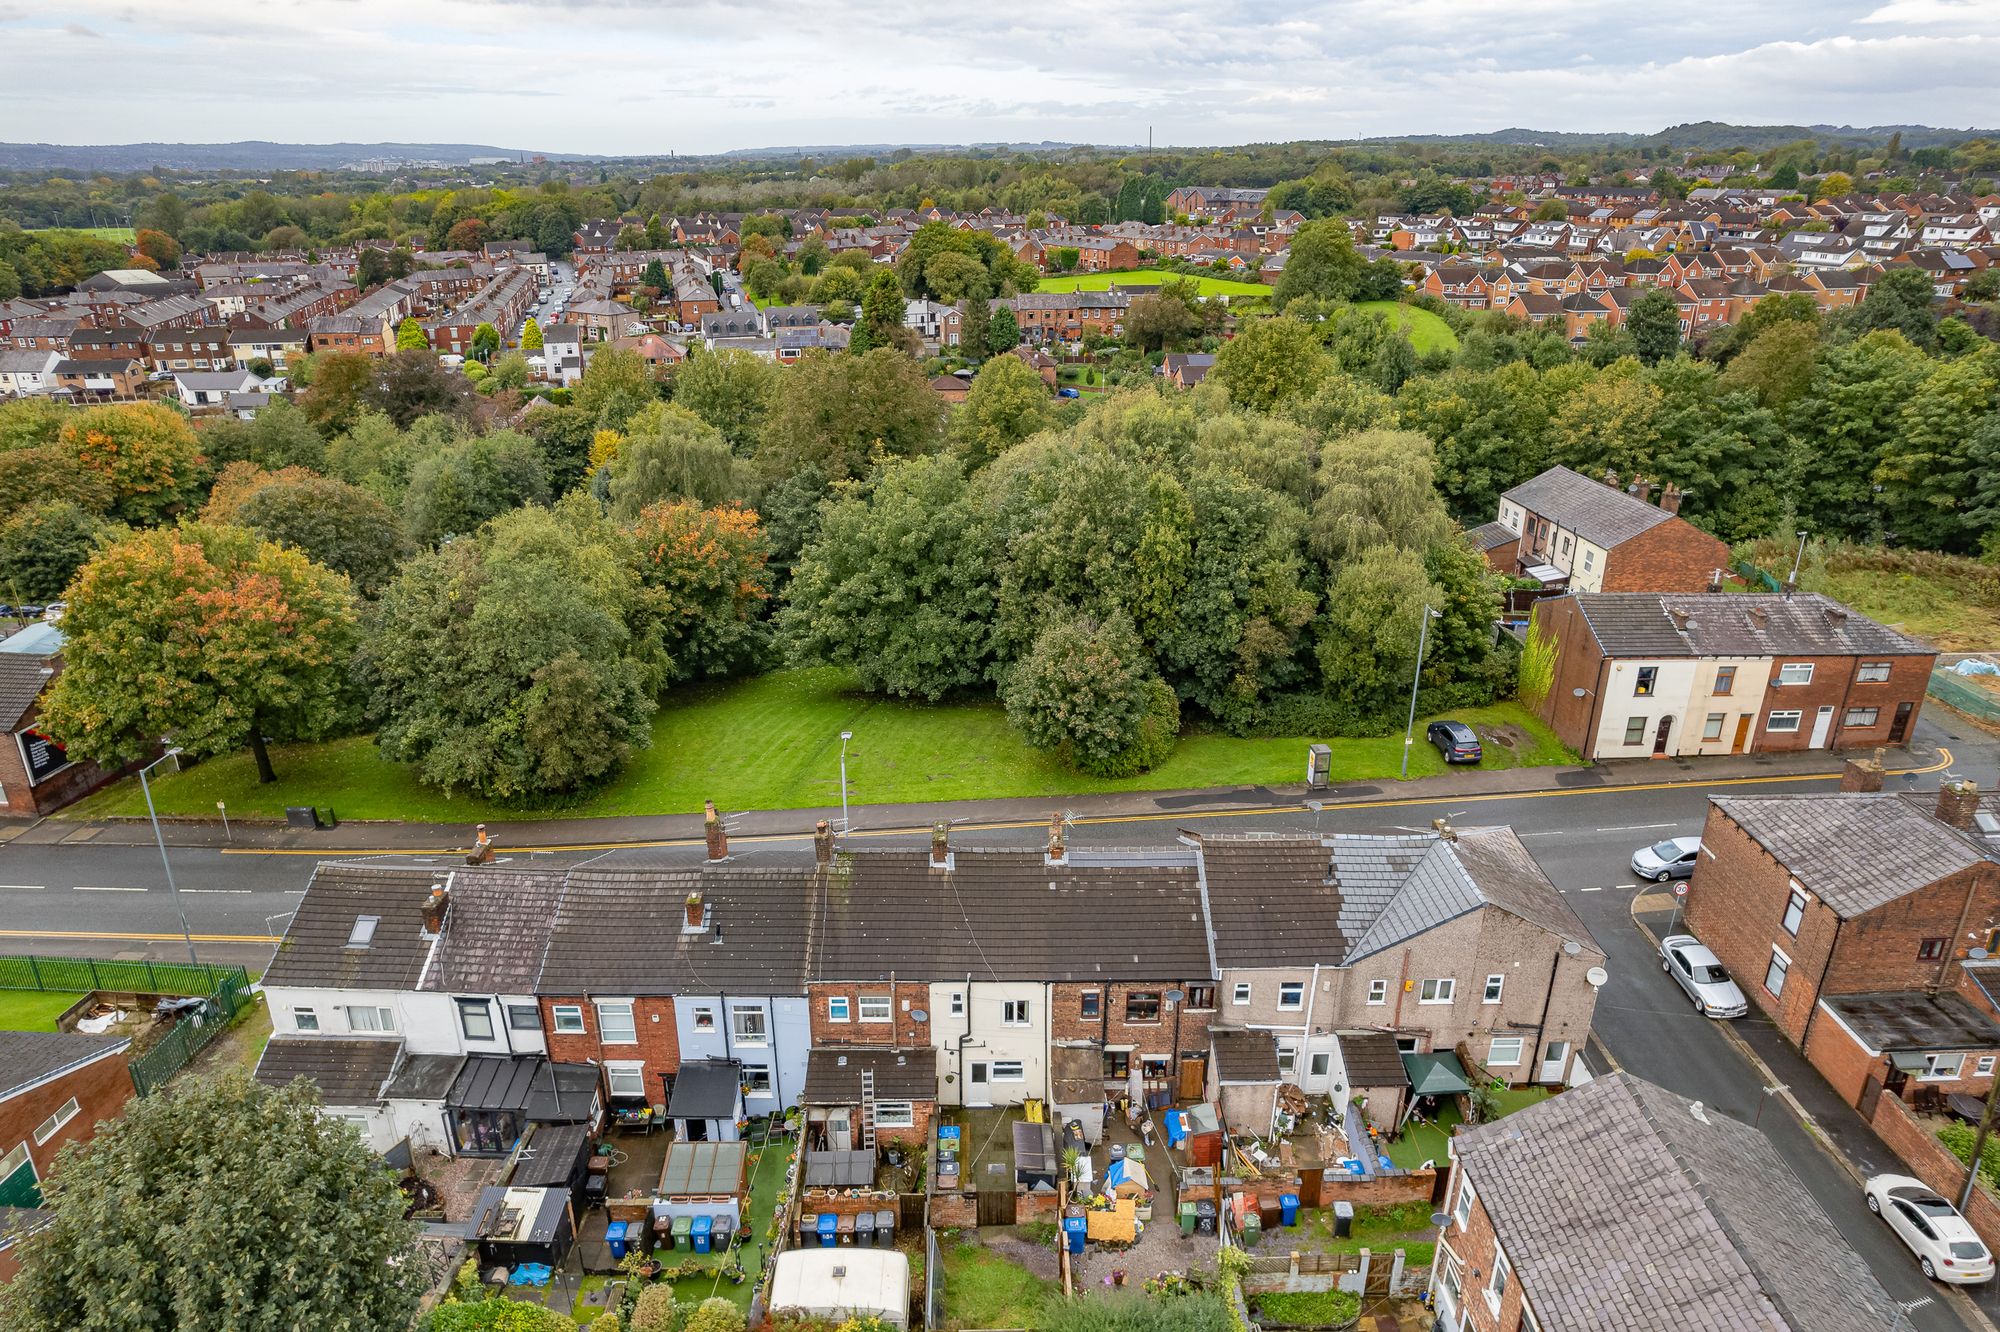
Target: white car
pixel 1946 1246
pixel 1671 859
pixel 1699 972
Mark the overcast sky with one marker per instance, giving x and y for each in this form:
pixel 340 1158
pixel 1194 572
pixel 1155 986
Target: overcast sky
pixel 648 76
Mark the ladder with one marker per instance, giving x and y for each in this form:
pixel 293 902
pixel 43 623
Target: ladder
pixel 868 1109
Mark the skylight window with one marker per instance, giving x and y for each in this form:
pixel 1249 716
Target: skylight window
pixel 363 932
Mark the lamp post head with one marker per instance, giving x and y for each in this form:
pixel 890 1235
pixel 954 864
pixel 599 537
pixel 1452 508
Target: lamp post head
pixel 845 736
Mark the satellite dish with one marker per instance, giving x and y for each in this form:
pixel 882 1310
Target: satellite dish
pixel 1979 954
pixel 1440 1219
pixel 1572 947
pixel 1175 996
pixel 1597 976
pixel 919 1015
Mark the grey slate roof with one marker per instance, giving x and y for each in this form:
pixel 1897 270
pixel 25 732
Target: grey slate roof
pixel 1857 851
pixel 1245 1056
pixel 620 932
pixel 348 1072
pixel 706 1089
pixel 1010 915
pixel 1644 624
pixel 1913 1020
pixel 1594 511
pixel 22 678
pixel 1620 1209
pixel 1489 536
pixel 1372 1059
pixel 833 1075
pixel 496 929
pixel 424 1077
pixel 30 1056
pixel 314 952
pixel 1271 901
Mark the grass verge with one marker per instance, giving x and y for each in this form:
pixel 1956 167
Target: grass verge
pixel 773 742
pixel 1152 277
pixel 984 1289
pixel 1405 1226
pixel 1427 331
pixel 33 1010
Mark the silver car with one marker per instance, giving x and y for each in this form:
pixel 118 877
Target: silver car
pixel 1699 972
pixel 1671 859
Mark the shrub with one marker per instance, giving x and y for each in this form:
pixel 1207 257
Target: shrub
pixel 1958 1138
pixel 716 1315
pixel 1088 690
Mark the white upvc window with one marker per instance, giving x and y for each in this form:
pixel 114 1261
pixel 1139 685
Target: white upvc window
pixel 748 1026
pixel 958 1003
pixel 1241 994
pixel 615 1024
pixel 1439 991
pixel 627 1080
pixel 569 1019
pixel 1291 994
pixel 837 1009
pixel 1494 984
pixel 1941 1067
pixel 1505 1052
pixel 1784 720
pixel 1795 673
pixel 1984 1068
pixel 704 1017
pixel 895 1114
pixel 49 1127
pixel 1288 1058
pixel 875 1008
pixel 1014 1012
pixel 369 1017
pixel 756 1080
pixel 1774 975
pixel 1378 992
pixel 1008 1070
pixel 305 1019
pixel 1496 1285
pixel 1463 1212
pixel 1795 911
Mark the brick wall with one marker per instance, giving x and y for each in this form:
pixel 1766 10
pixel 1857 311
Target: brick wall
pixel 1177 1028
pixel 1929 1160
pixel 1378 1190
pixel 658 1046
pixel 1840 1060
pixel 1579 665
pixel 1674 556
pixel 1881 950
pixel 1474 1243
pixel 902 1030
pixel 919 1132
pixel 101 1091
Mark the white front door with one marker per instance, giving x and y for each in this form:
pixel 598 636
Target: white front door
pixel 1554 1062
pixel 1822 728
pixel 976 1090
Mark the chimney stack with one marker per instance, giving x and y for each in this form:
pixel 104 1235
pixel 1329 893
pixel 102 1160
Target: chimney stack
pixel 1611 477
pixel 482 848
pixel 940 846
pixel 822 844
pixel 1056 848
pixel 1679 615
pixel 1836 617
pixel 434 908
pixel 1957 802
pixel 718 836
pixel 697 912
pixel 1760 619
pixel 1670 498
pixel 1861 775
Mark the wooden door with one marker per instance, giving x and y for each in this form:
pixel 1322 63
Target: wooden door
pixel 1900 727
pixel 1742 740
pixel 996 1207
pixel 1194 1079
pixel 1660 737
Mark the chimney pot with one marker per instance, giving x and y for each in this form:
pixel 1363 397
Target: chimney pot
pixel 822 844
pixel 1957 803
pixel 1679 615
pixel 717 835
pixel 1861 775
pixel 940 846
pixel 1056 847
pixel 1611 477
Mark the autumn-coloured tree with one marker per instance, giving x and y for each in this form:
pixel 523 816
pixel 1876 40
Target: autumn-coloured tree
pixel 206 635
pixel 467 234
pixel 238 482
pixel 531 335
pixel 707 568
pixel 145 451
pixel 158 246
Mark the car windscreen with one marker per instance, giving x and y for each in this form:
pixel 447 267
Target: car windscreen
pixel 1707 975
pixel 1967 1249
pixel 1667 851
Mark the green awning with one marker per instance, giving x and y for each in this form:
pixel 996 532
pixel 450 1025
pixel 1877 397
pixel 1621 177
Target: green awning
pixel 1435 1074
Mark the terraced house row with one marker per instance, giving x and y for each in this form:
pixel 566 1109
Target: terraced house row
pixel 452 1007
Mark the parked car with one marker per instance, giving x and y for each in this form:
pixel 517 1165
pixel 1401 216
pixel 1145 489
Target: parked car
pixel 1068 392
pixel 1699 971
pixel 1672 859
pixel 1455 740
pixel 1946 1246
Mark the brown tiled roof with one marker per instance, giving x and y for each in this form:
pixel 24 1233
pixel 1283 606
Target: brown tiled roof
pixel 1245 1056
pixel 622 932
pixel 1271 901
pixel 347 1072
pixel 833 1075
pixel 315 951
pixel 495 932
pixel 1372 1059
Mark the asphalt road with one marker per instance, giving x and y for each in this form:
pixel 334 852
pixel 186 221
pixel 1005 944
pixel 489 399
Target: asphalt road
pixel 107 900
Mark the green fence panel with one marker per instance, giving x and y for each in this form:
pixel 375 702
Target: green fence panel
pixel 1757 577
pixel 85 973
pixel 1966 696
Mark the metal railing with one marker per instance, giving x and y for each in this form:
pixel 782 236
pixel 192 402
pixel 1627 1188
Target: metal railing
pixel 87 973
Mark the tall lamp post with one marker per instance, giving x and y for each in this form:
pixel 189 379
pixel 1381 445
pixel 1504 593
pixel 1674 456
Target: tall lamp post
pixel 1416 678
pixel 173 752
pixel 845 736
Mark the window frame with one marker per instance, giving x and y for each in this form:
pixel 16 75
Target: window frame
pixel 1461 1211
pixel 1493 1059
pixel 1378 992
pixel 1780 965
pixel 1498 1280
pixel 1711 726
pixel 1137 1004
pixel 482 1009
pixel 1861 718
pixel 1646 682
pixel 993 1068
pixel 1288 1060
pixel 875 1008
pixel 1931 949
pixel 1443 989
pixel 762 1024
pixel 1793 917
pixel 701 1017
pixel 1724 685
pixel 1016 1013
pixel 1935 1070
pixel 1873 672
pixel 384 1015
pixel 523 1017
pixel 839 1008
pixel 1201 998
pixel 615 1069
pixel 1793 715
pixel 604 1027
pixel 308 1012
pixel 1090 1004
pixel 895 1114
pixel 53 1125
pixel 1496 985
pixel 756 1080
pixel 1241 993
pixel 958 1003
pixel 563 1015
pixel 1297 990
pixel 1789 676
pixel 1983 1066
pixel 1635 730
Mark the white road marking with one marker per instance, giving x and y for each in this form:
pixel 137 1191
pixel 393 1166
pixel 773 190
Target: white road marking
pixel 26 887
pixel 1638 827
pixel 1591 890
pixel 93 888
pixel 1628 885
pixel 232 892
pixel 1559 832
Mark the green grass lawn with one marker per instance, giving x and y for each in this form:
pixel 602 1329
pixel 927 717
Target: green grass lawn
pixel 33 1010
pixel 1430 1142
pixel 123 235
pixel 1405 1226
pixel 773 742
pixel 1428 332
pixel 1150 277
pixel 984 1289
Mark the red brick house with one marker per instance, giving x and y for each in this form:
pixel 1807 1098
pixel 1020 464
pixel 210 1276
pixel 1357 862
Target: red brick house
pixel 1852 920
pixel 1595 537
pixel 36 776
pixel 1621 1205
pixel 55 1088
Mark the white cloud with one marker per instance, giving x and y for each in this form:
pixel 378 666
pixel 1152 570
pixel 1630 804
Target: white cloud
pixel 643 76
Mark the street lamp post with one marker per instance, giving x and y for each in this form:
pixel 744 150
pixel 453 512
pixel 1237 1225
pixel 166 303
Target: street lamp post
pixel 1798 561
pixel 165 864
pixel 845 736
pixel 1416 678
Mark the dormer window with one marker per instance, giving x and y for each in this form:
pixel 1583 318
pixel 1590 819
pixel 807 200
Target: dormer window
pixel 363 932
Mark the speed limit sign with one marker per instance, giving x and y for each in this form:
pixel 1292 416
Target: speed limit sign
pixel 1681 889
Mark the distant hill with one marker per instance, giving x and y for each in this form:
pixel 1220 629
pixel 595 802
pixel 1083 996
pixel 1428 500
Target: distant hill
pixel 1701 135
pixel 249 155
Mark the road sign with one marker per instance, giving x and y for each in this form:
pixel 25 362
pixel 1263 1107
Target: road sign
pixel 1681 889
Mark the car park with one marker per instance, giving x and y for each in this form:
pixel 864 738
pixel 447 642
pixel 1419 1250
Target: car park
pixel 1697 970
pixel 1672 859
pixel 1946 1246
pixel 1455 740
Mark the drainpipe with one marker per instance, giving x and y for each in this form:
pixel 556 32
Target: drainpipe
pixel 506 1025
pixel 1305 1045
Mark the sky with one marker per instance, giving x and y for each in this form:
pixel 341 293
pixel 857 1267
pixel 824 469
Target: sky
pixel 699 76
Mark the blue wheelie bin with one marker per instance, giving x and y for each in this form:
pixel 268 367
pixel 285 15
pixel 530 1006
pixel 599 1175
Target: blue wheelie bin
pixel 829 1230
pixel 700 1231
pixel 1288 1207
pixel 1075 1228
pixel 614 1236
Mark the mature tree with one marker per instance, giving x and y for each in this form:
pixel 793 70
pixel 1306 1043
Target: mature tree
pixel 458 488
pixel 411 384
pixel 616 384
pixel 44 544
pixel 467 233
pixel 158 246
pixel 1833 185
pixel 1271 360
pixel 655 277
pixel 881 322
pixel 1003 330
pixel 147 453
pixel 706 567
pixel 1841 427
pixel 1163 320
pixel 1927 468
pixel 1492 431
pixel 1008 403
pixel 1982 509
pixel 953 277
pixel 1376 488
pixel 1654 322
pixel 339 389
pixel 1087 690
pixel 1367 636
pixel 335 524
pixel 236 483
pixel 209 635
pixel 410 335
pixel 312 1222
pixel 531 335
pixel 898 585
pixel 520 663
pixel 1901 299
pixel 1322 263
pixel 1341 404
pixel 731 390
pixel 485 342
pixel 566 435
pixel 672 454
pixel 1777 368
pixel 839 412
pixel 281 435
pixel 510 371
